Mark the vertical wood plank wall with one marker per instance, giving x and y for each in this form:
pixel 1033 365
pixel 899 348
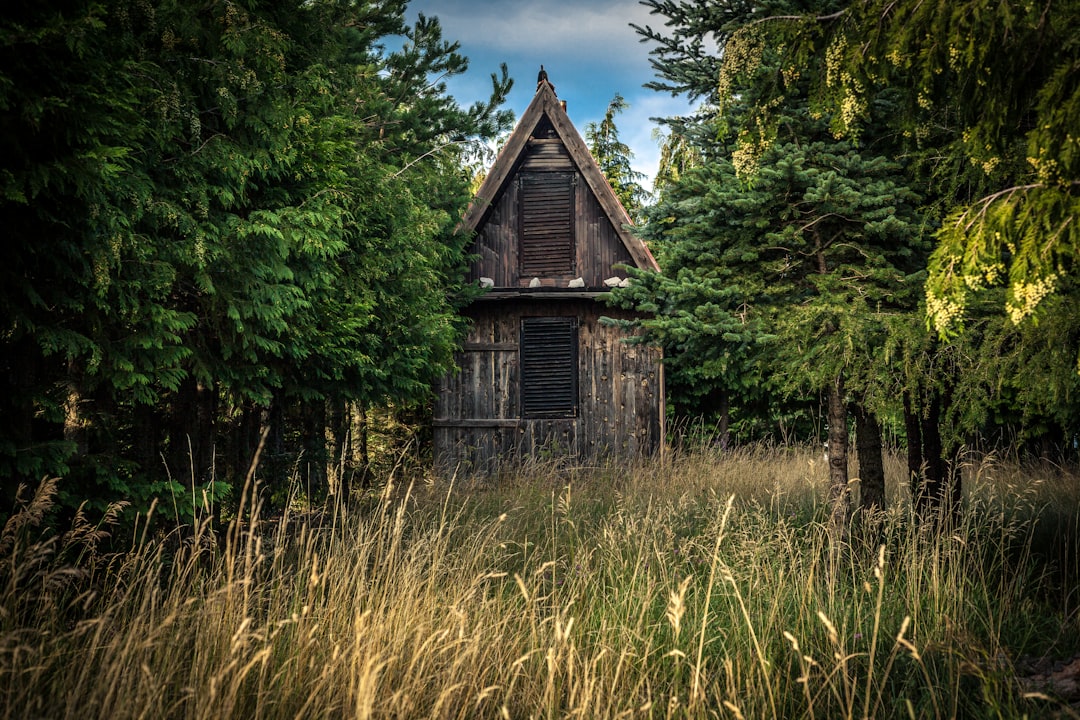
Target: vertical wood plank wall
pixel 598 247
pixel 478 427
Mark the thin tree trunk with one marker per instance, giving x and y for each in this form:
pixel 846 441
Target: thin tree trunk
pixel 76 422
pixel 146 436
pixel 275 462
pixel 725 420
pixel 313 413
pixel 913 430
pixel 931 490
pixel 205 430
pixel 871 463
pixel 342 463
pixel 245 443
pixel 191 433
pixel 952 493
pixel 718 403
pixel 839 494
pixel 942 491
pixel 360 433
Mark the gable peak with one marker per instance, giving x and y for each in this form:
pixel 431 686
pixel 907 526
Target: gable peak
pixel 542 79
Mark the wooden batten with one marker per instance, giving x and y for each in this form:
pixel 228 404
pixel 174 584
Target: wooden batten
pixel 547 154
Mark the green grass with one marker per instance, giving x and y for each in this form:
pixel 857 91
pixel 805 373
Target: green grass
pixel 702 586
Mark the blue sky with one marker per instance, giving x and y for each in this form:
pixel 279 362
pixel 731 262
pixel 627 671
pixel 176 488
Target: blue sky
pixel 587 47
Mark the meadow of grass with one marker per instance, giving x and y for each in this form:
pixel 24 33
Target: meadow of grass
pixel 702 585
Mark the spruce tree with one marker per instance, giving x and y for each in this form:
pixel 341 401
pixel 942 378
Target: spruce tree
pixel 804 243
pixel 614 156
pixel 987 91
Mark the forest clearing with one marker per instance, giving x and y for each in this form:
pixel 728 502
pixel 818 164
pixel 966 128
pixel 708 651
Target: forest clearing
pixel 324 393
pixel 698 587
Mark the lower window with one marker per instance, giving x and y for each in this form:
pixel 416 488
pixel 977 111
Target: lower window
pixel 549 367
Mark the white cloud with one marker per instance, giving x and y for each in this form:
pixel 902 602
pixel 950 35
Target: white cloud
pixel 548 28
pixel 587 46
pixel 637 130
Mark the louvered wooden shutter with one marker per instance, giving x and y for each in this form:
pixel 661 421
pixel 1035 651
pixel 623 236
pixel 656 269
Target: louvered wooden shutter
pixel 549 372
pixel 547 223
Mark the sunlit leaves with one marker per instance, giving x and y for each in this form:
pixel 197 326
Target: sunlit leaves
pixel 990 89
pixel 1026 238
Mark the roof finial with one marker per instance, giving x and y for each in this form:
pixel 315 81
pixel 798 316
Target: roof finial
pixel 541 78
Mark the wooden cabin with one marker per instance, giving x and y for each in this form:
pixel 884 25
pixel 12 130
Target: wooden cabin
pixel 539 374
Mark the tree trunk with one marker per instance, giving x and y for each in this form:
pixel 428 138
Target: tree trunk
pixel 360 432
pixel 76 421
pixel 342 454
pixel 839 494
pixel 931 488
pixel 913 430
pixel 276 463
pixel 191 433
pixel 871 463
pixel 313 465
pixel 245 444
pixel 146 436
pixel 725 420
pixel 938 493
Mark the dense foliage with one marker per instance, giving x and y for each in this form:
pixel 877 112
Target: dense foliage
pixel 222 220
pixel 988 100
pixel 835 197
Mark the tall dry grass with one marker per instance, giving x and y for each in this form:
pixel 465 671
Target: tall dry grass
pixel 701 586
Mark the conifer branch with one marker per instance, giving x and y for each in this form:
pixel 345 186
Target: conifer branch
pixel 816 18
pixel 985 202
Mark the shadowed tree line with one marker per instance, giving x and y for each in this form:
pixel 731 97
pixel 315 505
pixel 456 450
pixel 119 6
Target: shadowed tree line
pixel 230 235
pixel 228 226
pixel 863 190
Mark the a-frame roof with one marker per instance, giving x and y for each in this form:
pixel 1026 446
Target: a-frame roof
pixel 545 103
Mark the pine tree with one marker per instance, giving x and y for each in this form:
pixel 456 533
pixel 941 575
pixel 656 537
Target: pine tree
pixel 614 156
pixel 989 92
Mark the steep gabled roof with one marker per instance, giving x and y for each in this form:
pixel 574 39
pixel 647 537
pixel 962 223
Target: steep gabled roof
pixel 546 104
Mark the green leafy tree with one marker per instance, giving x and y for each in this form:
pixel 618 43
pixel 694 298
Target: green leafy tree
pixel 1010 75
pixel 985 99
pixel 990 91
pixel 789 277
pixel 699 305
pixel 678 154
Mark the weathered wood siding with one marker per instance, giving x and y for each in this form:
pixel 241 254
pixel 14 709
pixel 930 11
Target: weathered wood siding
pixel 478 423
pixel 597 247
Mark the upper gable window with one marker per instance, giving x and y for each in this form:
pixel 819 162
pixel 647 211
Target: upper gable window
pixel 547 223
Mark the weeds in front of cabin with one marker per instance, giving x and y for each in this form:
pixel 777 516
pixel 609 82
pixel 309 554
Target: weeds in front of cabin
pixel 697 587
